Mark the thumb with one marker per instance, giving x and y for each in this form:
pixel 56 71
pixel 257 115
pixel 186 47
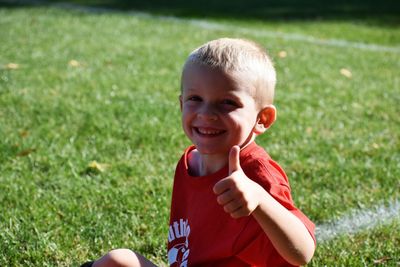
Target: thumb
pixel 234 161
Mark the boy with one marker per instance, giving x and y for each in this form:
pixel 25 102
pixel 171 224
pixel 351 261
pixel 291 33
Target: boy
pixel 231 203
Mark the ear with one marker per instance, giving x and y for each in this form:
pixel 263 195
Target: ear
pixel 180 102
pixel 266 117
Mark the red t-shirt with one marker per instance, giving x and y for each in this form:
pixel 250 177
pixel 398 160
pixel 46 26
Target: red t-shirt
pixel 201 233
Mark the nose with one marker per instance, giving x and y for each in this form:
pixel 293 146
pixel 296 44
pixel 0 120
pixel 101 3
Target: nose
pixel 207 112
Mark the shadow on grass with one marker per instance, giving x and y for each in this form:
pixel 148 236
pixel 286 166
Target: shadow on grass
pixel 380 13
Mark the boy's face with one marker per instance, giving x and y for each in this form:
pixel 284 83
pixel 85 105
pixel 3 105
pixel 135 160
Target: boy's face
pixel 218 112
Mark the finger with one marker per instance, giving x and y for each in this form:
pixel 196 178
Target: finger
pixel 238 213
pixel 222 185
pixel 234 161
pixel 233 206
pixel 225 197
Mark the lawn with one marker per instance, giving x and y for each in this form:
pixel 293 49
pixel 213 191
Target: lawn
pixel 90 125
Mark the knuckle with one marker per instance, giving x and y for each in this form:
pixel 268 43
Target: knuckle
pixel 231 182
pixel 226 208
pixel 232 179
pixel 220 200
pixel 236 215
pixel 240 194
pixel 247 211
pixel 216 189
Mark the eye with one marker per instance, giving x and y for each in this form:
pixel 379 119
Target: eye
pixel 194 98
pixel 230 102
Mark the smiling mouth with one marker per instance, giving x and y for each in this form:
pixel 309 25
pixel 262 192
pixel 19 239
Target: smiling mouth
pixel 208 131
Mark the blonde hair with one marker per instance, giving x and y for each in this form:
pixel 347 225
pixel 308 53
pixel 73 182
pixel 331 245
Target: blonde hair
pixel 238 57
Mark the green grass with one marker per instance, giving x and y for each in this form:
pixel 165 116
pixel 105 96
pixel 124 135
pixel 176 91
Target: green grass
pixel 337 138
pixel 377 247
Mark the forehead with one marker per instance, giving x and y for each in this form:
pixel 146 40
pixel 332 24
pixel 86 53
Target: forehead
pixel 199 77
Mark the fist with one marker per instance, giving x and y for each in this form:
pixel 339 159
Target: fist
pixel 237 194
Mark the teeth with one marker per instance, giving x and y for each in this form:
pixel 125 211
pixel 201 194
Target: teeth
pixel 208 131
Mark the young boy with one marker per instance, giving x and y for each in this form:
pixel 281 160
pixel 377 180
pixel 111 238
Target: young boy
pixel 231 203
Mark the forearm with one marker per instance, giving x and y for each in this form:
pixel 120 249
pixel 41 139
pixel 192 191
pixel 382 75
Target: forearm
pixel 287 233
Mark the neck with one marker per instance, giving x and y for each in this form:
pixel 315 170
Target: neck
pixel 205 164
pixel 209 164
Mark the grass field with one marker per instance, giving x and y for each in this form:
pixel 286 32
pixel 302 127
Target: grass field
pixel 90 124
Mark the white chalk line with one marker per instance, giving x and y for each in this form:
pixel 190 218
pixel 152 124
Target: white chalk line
pixel 358 221
pixel 204 24
pixel 294 37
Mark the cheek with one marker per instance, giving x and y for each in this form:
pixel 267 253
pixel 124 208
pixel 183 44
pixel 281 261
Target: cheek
pixel 243 120
pixel 186 113
pixel 185 120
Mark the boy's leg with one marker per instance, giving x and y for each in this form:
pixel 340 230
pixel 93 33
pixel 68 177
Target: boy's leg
pixel 123 258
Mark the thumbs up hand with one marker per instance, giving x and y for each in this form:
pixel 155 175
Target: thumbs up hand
pixel 238 194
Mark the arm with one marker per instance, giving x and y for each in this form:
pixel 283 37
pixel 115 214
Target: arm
pixel 287 233
pixel 240 196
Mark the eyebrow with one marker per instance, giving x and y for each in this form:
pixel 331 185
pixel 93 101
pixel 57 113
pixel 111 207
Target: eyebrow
pixel 188 90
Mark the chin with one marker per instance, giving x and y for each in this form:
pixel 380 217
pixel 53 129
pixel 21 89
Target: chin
pixel 210 150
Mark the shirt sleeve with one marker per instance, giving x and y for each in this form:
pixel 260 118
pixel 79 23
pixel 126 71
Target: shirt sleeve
pixel 253 245
pixel 273 179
